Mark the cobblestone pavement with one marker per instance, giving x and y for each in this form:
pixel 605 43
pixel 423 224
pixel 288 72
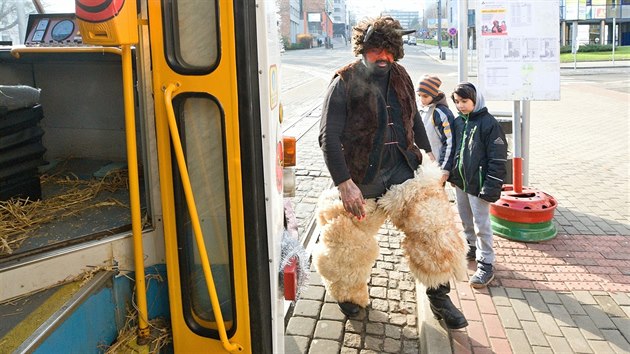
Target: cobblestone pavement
pixel 387 325
pixel 566 295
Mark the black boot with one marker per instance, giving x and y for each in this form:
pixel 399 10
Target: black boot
pixel 349 309
pixel 443 308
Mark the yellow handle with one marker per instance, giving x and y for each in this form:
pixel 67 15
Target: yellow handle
pixel 17 51
pixel 132 166
pixel 194 218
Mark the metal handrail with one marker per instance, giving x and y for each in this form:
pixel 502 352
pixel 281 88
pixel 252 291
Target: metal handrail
pixel 16 52
pixel 132 166
pixel 134 195
pixel 194 218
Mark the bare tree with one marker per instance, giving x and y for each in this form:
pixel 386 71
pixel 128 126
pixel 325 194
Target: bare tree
pixel 13 16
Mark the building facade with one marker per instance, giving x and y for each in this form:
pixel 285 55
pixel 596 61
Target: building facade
pixel 584 21
pixel 408 19
pixel 591 21
pixel 341 20
pixel 291 20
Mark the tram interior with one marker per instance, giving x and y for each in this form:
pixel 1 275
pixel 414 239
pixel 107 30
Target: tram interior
pixel 83 169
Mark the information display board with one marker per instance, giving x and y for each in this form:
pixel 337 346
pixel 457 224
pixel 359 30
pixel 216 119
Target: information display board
pixel 518 49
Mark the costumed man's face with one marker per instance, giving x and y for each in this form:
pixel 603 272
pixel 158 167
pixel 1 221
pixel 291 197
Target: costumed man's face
pixel 378 61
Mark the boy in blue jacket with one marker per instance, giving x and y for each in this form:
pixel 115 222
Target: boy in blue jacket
pixel 477 173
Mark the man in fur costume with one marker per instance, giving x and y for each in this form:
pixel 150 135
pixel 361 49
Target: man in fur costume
pixel 370 134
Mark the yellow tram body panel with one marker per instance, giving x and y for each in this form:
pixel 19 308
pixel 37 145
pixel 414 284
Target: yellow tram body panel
pixel 221 85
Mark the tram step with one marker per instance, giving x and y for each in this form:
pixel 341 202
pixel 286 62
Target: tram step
pixel 79 316
pixel 30 320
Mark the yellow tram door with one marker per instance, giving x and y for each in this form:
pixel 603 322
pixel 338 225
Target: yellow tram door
pixel 208 138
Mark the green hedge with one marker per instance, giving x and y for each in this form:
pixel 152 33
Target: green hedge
pixel 291 46
pixel 588 48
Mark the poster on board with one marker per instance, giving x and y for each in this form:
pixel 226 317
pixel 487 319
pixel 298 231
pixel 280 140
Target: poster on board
pixel 518 49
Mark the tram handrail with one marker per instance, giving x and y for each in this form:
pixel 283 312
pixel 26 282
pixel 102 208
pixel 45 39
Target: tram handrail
pixel 132 166
pixel 16 52
pixel 194 218
pixel 134 194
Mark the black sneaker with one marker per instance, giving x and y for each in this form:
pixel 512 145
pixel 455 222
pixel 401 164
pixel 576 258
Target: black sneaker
pixel 349 309
pixel 483 276
pixel 472 253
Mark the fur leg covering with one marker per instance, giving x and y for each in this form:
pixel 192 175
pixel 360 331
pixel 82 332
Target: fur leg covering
pixel 347 248
pixel 420 208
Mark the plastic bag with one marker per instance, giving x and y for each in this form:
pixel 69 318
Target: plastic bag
pixel 18 96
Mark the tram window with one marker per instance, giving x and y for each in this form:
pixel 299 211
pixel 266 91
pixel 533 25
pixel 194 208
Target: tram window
pixel 201 127
pixel 192 35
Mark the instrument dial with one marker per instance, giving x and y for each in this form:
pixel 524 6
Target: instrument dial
pixel 62 30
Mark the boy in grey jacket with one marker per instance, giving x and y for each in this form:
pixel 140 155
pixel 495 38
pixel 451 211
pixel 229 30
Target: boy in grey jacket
pixel 438 120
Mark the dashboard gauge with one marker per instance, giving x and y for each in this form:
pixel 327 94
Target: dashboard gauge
pixel 38 36
pixel 43 23
pixel 62 30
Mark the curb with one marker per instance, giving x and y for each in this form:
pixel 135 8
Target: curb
pixel 433 337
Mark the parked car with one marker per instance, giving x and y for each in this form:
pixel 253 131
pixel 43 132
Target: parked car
pixel 412 40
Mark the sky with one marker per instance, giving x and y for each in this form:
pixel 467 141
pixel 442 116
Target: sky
pixel 373 8
pixel 60 6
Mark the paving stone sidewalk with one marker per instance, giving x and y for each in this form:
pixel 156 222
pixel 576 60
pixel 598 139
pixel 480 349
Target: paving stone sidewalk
pixel 566 295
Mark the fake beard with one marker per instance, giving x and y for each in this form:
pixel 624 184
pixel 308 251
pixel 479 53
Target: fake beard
pixel 379 68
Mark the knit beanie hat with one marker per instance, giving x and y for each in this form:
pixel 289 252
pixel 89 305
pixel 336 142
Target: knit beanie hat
pixel 429 85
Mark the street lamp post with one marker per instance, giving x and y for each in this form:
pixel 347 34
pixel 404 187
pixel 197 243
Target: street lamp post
pixel 614 31
pixel 439 26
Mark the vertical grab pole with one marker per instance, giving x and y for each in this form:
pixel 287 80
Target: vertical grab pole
pixel 194 220
pixel 517 163
pixel 134 195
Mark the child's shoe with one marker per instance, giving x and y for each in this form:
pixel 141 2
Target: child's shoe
pixel 483 276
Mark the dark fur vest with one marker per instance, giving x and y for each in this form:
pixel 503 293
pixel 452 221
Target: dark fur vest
pixel 361 114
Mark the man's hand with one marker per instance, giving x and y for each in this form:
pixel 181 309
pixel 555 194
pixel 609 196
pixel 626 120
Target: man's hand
pixel 352 198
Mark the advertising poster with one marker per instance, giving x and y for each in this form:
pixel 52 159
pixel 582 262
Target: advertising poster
pixel 518 49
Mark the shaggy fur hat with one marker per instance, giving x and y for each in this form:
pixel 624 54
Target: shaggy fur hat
pixel 382 32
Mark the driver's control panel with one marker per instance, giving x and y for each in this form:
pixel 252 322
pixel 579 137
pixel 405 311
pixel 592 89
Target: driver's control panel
pixel 53 30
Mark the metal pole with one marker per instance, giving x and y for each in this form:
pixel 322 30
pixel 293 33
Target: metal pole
pixel 462 42
pixel 439 26
pixel 614 34
pixel 134 196
pixel 517 176
pixel 21 21
pixel 574 44
pixel 525 123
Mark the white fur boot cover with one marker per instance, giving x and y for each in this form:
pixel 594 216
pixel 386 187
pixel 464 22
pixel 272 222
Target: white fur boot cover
pixel 420 208
pixel 347 248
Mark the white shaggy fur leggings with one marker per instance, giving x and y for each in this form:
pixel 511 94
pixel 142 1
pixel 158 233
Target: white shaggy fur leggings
pixel 419 207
